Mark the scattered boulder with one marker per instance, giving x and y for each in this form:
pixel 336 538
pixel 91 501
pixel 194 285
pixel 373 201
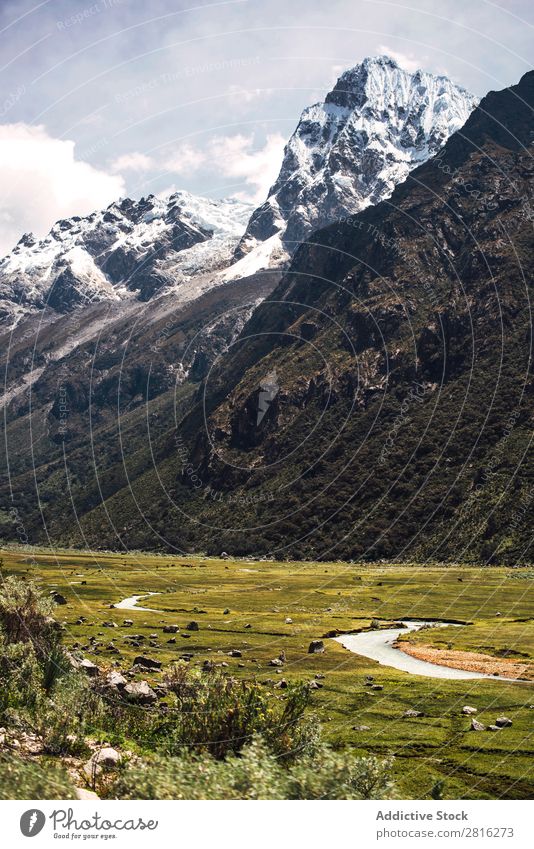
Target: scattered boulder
pixel 224 555
pixel 377 687
pixel 192 626
pixel 116 679
pixel 235 653
pixel 314 685
pixel 468 710
pixel 361 727
pixel 226 611
pixel 106 757
pixel 90 668
pixel 58 598
pixel 127 623
pixel 81 793
pixel 170 629
pixel 289 620
pixel 503 722
pixel 276 662
pixel 316 647
pixel 281 685
pixel 172 640
pixel 248 625
pixel 140 693
pixel 493 728
pixel 477 726
pixel 147 662
pixel 412 714
pixel 109 624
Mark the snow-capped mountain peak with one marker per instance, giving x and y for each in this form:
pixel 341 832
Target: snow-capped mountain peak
pixel 350 151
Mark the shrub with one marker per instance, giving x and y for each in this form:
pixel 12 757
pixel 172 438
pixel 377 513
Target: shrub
pixel 29 779
pixel 256 774
pixel 25 617
pixel 219 714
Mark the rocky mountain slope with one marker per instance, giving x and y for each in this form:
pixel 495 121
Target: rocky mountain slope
pixel 378 123
pixel 392 367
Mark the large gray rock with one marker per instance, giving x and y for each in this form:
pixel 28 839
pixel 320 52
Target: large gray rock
pixel 116 679
pixel 477 726
pixel 503 722
pixel 468 710
pixel 316 647
pixel 170 629
pixel 89 668
pixel 140 693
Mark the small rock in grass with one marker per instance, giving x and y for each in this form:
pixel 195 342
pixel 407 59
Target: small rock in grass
pixel 226 611
pixel 313 685
pixel 361 727
pixel 170 629
pixel 468 710
pixel 235 653
pixel 377 687
pixel 281 685
pixel 477 726
pixel 146 662
pixel 192 626
pixel 172 640
pixel 412 714
pixel 503 722
pixel 316 647
pixel 276 662
pixel 289 620
pixel 493 728
pixel 248 625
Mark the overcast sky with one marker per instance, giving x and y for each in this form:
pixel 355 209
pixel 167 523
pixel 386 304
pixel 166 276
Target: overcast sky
pixel 113 97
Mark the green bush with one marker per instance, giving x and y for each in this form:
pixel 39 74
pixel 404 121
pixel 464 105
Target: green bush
pixel 217 713
pixel 26 618
pixel 257 774
pixel 29 779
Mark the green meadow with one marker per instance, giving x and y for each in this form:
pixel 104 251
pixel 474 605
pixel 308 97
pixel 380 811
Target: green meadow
pixel 263 610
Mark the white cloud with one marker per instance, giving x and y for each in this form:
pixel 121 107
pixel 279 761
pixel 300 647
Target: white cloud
pixel 132 162
pixel 42 181
pixel 186 159
pixel 407 61
pixel 234 156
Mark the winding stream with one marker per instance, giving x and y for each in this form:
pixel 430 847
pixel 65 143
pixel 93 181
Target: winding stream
pixel 130 603
pixel 378 645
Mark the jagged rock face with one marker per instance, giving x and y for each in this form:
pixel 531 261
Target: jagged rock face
pixel 131 249
pixel 347 153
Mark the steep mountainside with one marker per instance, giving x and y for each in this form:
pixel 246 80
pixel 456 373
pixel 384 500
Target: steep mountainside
pixel 378 123
pixel 380 402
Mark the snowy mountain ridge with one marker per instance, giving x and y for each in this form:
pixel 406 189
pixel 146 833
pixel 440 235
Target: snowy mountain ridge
pixel 348 152
pixel 132 248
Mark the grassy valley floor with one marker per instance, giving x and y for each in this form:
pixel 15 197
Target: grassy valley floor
pixel 262 610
